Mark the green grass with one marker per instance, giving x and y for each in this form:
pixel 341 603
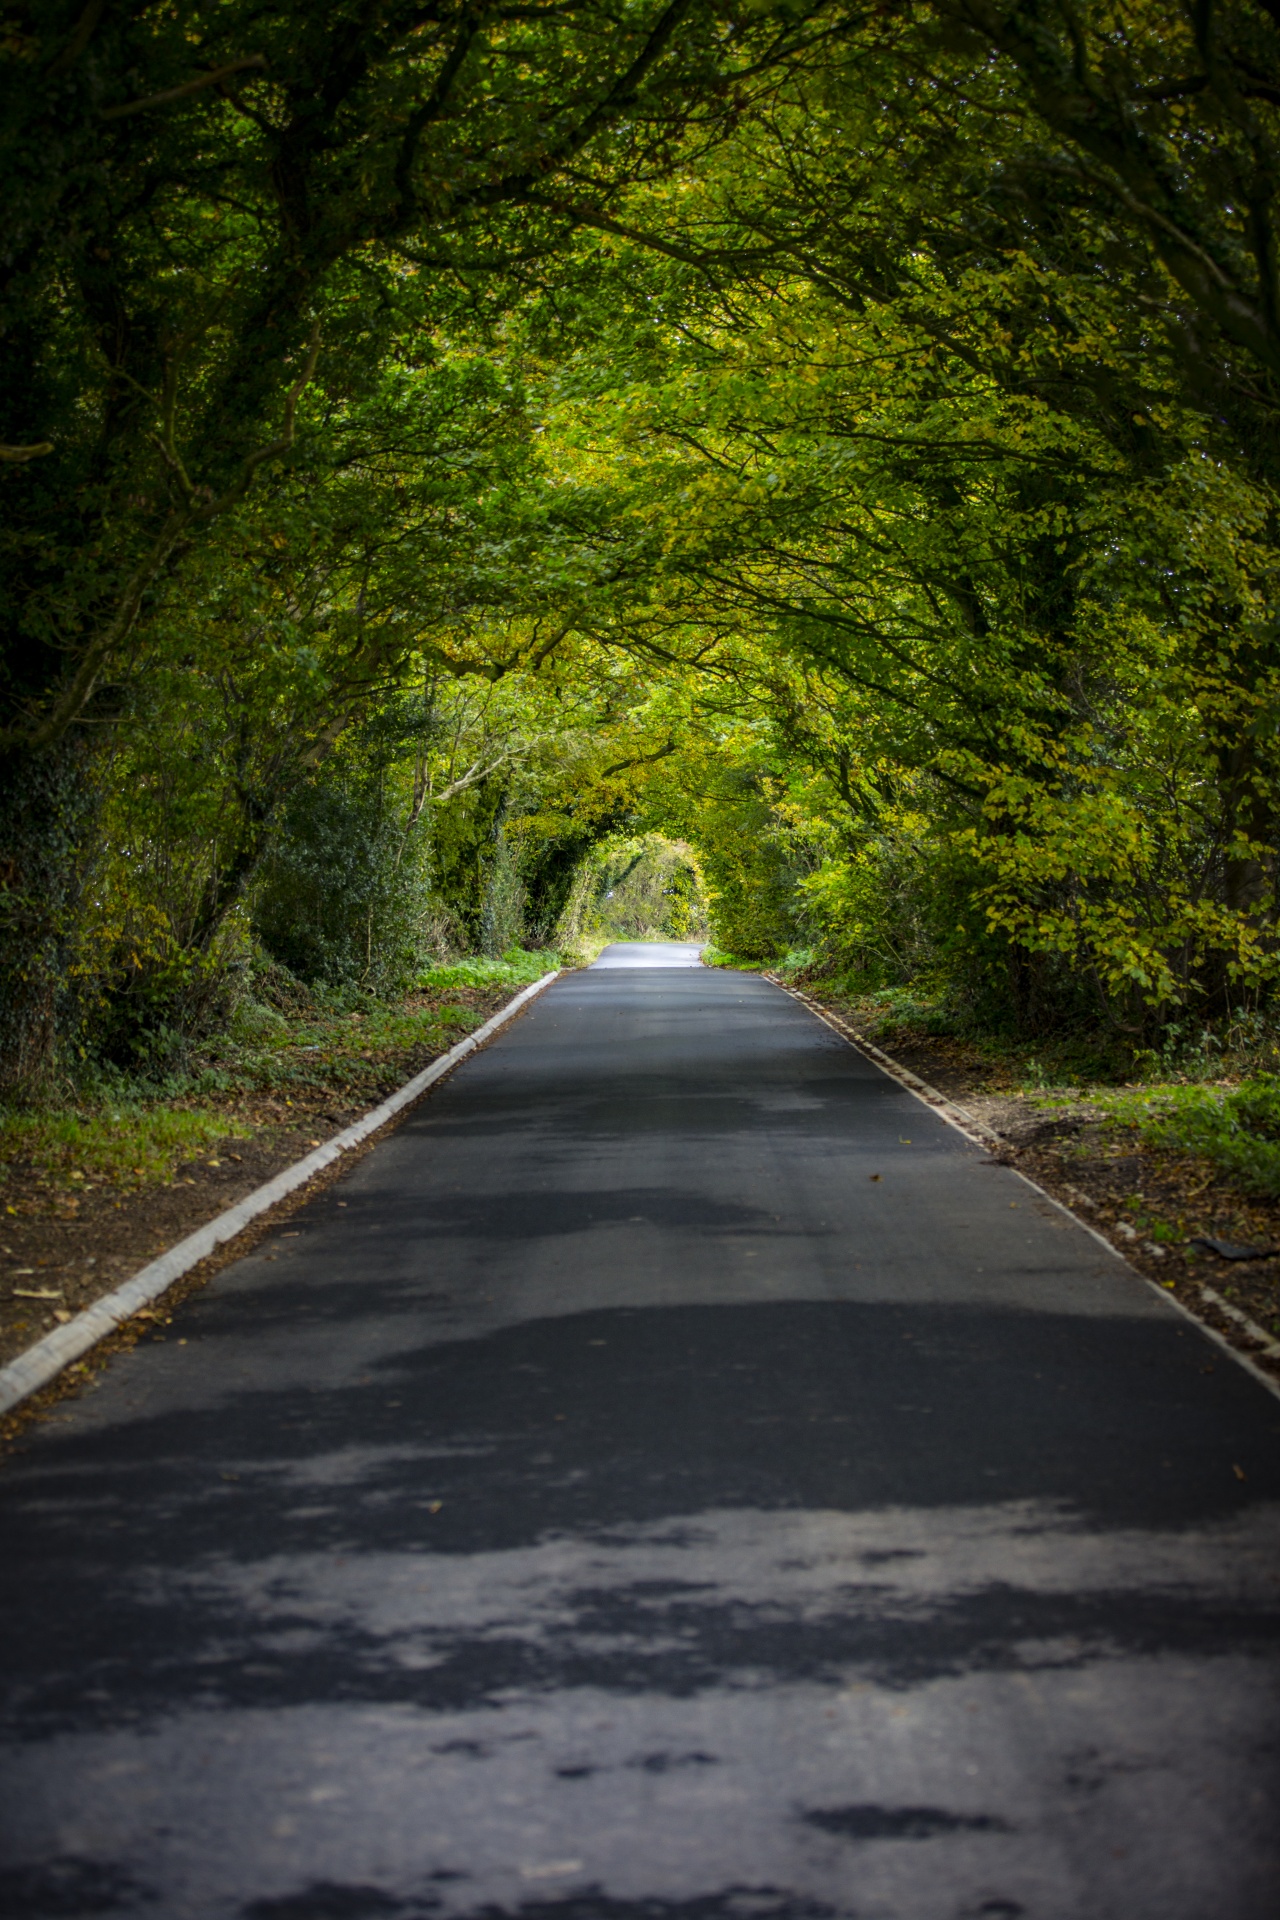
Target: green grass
pixel 516 968
pixel 125 1146
pixel 130 1133
pixel 582 950
pixel 717 957
pixel 1236 1129
pixel 342 1048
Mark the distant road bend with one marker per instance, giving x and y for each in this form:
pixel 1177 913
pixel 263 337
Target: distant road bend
pixel 674 1477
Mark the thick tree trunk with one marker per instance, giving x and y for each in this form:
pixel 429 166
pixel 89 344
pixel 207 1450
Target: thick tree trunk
pixel 47 804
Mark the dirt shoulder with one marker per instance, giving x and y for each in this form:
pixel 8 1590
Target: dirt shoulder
pixel 67 1239
pixel 1150 1204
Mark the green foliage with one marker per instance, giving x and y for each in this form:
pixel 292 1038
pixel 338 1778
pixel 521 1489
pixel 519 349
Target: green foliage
pixel 48 799
pixel 734 962
pixel 635 887
pixel 838 445
pixel 941 499
pixel 684 908
pixel 517 968
pixel 262 463
pixel 344 894
pixel 1236 1129
pixel 647 888
pixel 502 916
pixel 131 1144
pixel 186 255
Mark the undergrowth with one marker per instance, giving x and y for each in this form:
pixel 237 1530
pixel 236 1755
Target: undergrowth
pixel 717 957
pixel 292 1043
pixel 1236 1129
pixel 516 968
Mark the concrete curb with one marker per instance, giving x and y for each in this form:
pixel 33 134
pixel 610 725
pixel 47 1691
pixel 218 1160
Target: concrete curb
pixel 964 1122
pixel 43 1362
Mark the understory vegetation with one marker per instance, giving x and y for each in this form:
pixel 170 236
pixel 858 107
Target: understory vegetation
pixel 790 476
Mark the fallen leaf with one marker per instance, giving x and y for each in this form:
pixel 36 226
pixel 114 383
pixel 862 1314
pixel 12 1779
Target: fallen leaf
pixel 1238 1471
pixel 876 1176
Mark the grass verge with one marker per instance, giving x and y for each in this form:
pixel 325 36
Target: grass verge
pixel 127 1145
pixel 93 1187
pixel 1235 1129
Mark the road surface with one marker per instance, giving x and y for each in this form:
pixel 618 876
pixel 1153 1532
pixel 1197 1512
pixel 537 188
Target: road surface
pixel 674 1477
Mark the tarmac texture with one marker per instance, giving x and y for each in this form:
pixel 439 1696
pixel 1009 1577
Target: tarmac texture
pixel 676 1476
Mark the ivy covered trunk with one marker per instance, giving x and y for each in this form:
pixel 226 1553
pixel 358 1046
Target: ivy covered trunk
pixel 47 804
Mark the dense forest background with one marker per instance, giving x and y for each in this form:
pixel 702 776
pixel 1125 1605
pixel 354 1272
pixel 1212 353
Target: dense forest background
pixel 814 464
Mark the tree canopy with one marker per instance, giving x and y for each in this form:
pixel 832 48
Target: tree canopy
pixel 438 442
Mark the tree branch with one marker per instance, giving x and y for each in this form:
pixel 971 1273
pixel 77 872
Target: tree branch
pixel 15 456
pixel 81 35
pixel 429 109
pixel 640 760
pixel 210 79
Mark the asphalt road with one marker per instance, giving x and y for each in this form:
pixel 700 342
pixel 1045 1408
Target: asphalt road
pixel 674 1477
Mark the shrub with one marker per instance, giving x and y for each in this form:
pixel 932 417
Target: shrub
pixel 1237 1128
pixel 344 895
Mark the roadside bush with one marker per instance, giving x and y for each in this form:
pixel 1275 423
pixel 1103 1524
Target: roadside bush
pixel 343 898
pixel 1236 1128
pixel 502 916
pixel 516 968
